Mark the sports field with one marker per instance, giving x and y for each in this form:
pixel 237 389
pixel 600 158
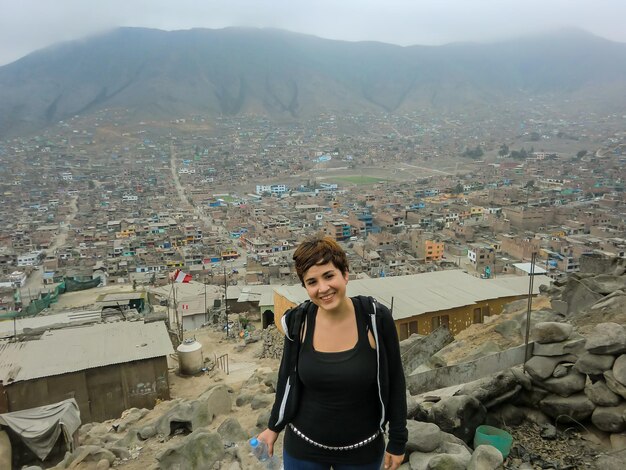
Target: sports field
pixel 357 180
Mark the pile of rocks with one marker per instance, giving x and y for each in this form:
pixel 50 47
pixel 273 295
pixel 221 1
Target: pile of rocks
pixel 579 379
pixel 568 379
pixel 429 447
pixel 272 339
pixel 582 297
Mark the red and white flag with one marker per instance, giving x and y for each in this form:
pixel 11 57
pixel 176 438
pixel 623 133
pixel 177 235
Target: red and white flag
pixel 180 276
pixel 185 306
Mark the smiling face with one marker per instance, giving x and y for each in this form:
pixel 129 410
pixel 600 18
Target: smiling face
pixel 326 286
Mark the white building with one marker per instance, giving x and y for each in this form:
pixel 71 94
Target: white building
pixel 30 259
pixel 271 188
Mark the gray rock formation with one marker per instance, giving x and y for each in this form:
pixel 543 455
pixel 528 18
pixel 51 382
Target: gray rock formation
pixel 492 390
pixel 91 454
pixel 199 449
pixel 423 437
pixel 606 338
pixel 231 431
pixel 577 407
pixel 570 346
pixel 600 394
pixel 509 329
pixel 485 458
pixel 594 364
pixel 551 332
pixel 570 384
pixel 619 369
pixel 614 385
pixel 609 419
pixel 542 367
pixel 218 401
pixel 261 401
pixel 459 415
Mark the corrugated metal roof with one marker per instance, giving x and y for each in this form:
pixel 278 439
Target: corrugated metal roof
pixel 73 349
pixel 7 328
pixel 429 292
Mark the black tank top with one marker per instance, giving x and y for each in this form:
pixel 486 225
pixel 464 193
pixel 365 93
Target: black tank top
pixel 339 405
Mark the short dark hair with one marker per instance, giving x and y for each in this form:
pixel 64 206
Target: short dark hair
pixel 319 250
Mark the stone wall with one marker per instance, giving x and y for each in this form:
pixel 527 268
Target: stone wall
pixel 570 379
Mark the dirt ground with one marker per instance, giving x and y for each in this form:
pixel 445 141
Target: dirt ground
pixel 243 361
pixel 242 364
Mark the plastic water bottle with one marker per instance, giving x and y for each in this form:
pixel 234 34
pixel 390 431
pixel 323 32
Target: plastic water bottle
pixel 261 452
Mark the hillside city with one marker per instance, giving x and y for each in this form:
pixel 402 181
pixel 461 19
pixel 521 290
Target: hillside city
pixel 128 204
pixel 142 264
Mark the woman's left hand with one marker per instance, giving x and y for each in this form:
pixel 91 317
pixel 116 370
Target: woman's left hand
pixel 393 461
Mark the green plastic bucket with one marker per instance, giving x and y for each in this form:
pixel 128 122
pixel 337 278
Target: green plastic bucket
pixel 498 438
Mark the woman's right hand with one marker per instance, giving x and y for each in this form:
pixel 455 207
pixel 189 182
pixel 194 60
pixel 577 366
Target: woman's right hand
pixel 269 437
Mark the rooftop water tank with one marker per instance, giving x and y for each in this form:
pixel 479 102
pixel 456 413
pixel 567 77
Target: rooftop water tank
pixel 190 358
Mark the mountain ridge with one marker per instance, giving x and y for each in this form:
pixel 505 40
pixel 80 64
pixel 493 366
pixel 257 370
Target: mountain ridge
pixel 291 75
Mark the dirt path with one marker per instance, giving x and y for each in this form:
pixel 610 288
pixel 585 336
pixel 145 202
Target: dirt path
pixel 60 239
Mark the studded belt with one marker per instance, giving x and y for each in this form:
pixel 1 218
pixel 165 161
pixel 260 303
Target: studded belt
pixel 323 446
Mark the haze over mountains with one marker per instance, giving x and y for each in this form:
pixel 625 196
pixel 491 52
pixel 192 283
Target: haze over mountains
pixel 285 75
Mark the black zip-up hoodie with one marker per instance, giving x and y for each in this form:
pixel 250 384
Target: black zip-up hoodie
pixel 390 375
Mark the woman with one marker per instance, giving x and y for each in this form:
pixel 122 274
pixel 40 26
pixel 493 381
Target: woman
pixel 340 380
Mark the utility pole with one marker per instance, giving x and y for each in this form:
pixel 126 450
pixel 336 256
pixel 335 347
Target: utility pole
pixel 226 301
pixel 206 312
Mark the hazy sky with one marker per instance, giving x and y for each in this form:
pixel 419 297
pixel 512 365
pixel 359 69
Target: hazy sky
pixel 27 25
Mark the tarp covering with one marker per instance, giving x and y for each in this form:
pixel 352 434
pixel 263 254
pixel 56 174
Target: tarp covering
pixel 39 428
pixel 37 305
pixel 72 285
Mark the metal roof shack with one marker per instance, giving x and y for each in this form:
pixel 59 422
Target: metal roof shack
pixel 107 368
pixel 422 302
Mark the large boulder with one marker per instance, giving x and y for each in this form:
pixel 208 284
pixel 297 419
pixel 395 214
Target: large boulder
pixel 509 329
pixel 218 400
pixel 578 295
pixel 414 409
pixel 187 414
pixel 491 390
pixel 609 418
pixel 458 415
pixel 420 460
pixel 605 283
pixel 538 316
pixel 457 451
pixel 261 401
pixel 570 384
pixel 614 385
pixel 91 454
pixel 231 431
pixel 570 346
pixel 243 399
pixel 485 458
pixel 607 338
pixel 542 367
pixel 423 437
pixel 619 369
pixel 600 394
pixel 577 407
pixel 551 332
pixel 130 416
pixel 594 364
pixel 200 449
